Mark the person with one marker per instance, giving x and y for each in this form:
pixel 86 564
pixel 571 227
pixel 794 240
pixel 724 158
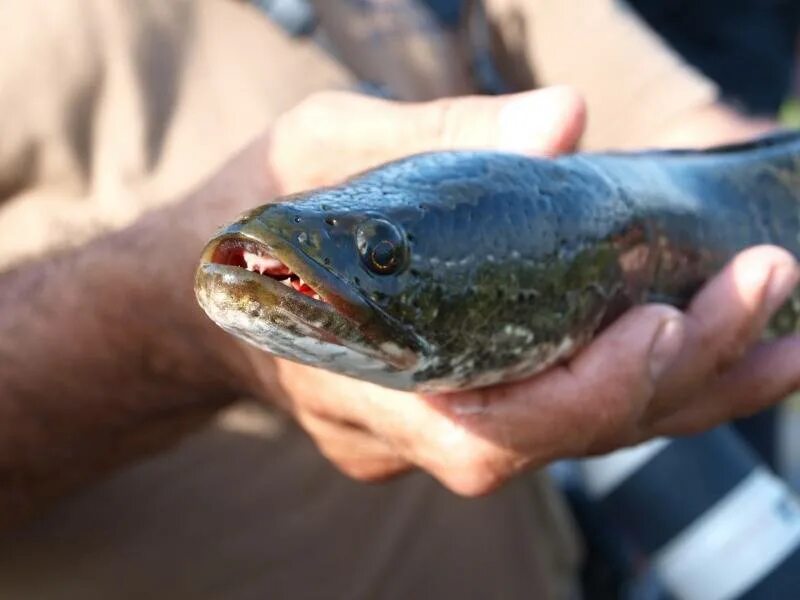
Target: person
pixel 106 358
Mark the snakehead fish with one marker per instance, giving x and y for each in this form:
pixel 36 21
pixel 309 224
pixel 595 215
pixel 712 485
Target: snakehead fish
pixel 451 270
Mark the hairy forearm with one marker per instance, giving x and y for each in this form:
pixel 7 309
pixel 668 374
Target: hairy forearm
pixel 104 354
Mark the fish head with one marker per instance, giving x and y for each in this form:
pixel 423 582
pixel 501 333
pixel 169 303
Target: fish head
pixel 308 279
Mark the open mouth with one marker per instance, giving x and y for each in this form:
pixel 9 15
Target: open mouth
pixel 250 255
pixel 317 304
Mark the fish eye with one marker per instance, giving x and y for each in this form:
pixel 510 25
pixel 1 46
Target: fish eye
pixel 381 246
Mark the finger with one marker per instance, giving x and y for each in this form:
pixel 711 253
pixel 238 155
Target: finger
pixel 348 133
pixel 727 316
pixel 355 451
pixel 415 431
pixel 766 375
pixel 333 409
pixel 543 122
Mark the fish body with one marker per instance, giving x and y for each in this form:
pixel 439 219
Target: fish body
pixel 453 270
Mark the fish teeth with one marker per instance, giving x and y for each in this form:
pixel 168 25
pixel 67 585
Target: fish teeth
pixel 267 266
pixel 262 264
pixel 253 261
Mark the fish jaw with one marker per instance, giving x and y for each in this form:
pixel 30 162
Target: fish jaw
pixel 327 325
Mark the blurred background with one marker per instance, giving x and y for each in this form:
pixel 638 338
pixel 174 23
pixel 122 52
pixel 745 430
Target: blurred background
pixel 113 108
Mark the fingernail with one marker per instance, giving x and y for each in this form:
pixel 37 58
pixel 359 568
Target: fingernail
pixel 535 122
pixel 782 282
pixel 666 346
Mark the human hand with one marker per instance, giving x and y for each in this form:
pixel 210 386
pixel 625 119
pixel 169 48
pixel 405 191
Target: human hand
pixel 656 371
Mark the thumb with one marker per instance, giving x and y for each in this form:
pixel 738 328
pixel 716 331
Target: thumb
pixel 617 374
pixel 543 122
pixel 332 135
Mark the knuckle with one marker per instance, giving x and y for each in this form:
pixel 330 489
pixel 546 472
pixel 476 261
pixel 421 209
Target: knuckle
pixel 619 406
pixel 472 483
pixel 472 470
pixel 719 351
pixel 726 355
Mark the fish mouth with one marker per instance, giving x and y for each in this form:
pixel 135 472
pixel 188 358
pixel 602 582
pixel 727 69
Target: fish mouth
pixel 256 257
pixel 271 279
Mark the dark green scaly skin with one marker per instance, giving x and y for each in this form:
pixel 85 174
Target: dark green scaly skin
pixel 514 263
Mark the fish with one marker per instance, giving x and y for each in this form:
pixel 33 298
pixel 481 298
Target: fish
pixel 452 270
